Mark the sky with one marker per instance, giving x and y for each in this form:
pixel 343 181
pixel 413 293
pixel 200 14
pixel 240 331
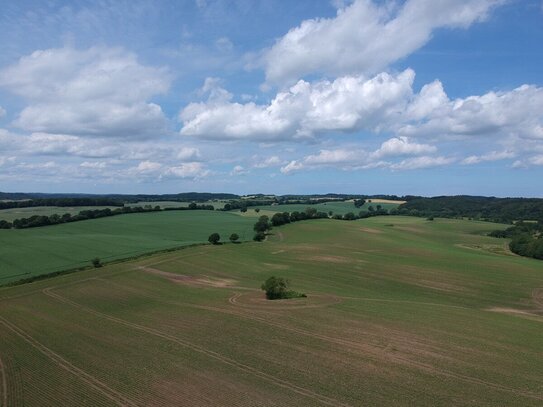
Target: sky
pixel 420 97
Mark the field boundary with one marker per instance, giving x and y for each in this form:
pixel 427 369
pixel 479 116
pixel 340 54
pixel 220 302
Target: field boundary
pixel 95 383
pixel 212 354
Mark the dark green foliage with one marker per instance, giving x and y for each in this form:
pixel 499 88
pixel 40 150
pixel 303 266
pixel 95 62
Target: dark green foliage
pixel 358 203
pixel 503 210
pixel 263 224
pixel 257 210
pixel 61 202
pixel 4 224
pixel 277 288
pixel 259 236
pixel 214 238
pixel 349 216
pixel 234 237
pixel 526 238
pixel 96 262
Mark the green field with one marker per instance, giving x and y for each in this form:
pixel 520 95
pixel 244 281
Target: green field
pixel 35 251
pixel 16 213
pixel 400 311
pixel 338 208
pixel 177 204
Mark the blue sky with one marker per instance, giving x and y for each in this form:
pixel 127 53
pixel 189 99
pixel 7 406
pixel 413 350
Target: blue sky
pixel 424 97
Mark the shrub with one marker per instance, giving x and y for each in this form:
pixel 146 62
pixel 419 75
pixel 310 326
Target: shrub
pixel 276 288
pixel 96 262
pixel 214 238
pixel 259 236
pixel 234 237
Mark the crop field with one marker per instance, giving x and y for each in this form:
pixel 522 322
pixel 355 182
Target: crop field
pixel 338 208
pixel 399 311
pixel 177 204
pixel 34 251
pixel 15 213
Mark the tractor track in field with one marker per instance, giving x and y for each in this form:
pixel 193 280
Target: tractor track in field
pixel 4 400
pixel 93 382
pixel 197 348
pixel 379 353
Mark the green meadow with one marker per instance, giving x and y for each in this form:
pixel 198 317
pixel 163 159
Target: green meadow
pixel 30 252
pixel 337 208
pixel 399 311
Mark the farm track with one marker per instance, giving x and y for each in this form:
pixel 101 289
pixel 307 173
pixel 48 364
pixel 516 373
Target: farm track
pixel 93 382
pixel 377 352
pixel 212 354
pixel 4 400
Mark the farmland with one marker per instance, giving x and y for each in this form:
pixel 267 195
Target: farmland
pixel 399 311
pixel 29 252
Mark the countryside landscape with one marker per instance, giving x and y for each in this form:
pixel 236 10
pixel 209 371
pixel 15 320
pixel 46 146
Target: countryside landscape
pixel 230 203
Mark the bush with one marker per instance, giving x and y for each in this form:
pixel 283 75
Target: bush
pixel 234 237
pixel 214 238
pixel 96 262
pixel 276 288
pixel 259 236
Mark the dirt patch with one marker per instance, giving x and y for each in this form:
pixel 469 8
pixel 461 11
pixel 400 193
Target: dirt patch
pixel 279 251
pixel 371 230
pixel 191 280
pixel 330 259
pixel 537 297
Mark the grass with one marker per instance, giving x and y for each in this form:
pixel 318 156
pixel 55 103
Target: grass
pixel 31 252
pixel 400 311
pixel 16 213
pixel 338 208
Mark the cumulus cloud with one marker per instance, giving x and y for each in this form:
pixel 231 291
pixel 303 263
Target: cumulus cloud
pixel 100 92
pixel 365 37
pixel 193 170
pixel 352 158
pixel 348 103
pixel 515 113
pixel 384 103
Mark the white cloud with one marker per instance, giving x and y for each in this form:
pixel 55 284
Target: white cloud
pixel 193 170
pixel 515 113
pixel 365 37
pixel 2 112
pixel 148 167
pixel 100 91
pixel 272 161
pixel 96 165
pixel 422 162
pixel 189 154
pixel 346 104
pixel 403 146
pixel 492 156
pixel 354 158
pixel 238 170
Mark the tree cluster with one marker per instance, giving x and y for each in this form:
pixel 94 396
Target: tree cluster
pixel 502 210
pixel 526 238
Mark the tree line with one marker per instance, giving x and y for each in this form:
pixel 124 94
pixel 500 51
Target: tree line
pixel 62 202
pixel 501 210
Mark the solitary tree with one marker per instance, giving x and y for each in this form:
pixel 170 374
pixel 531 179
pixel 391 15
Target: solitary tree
pixel 234 237
pixel 96 262
pixel 214 238
pixel 257 210
pixel 275 287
